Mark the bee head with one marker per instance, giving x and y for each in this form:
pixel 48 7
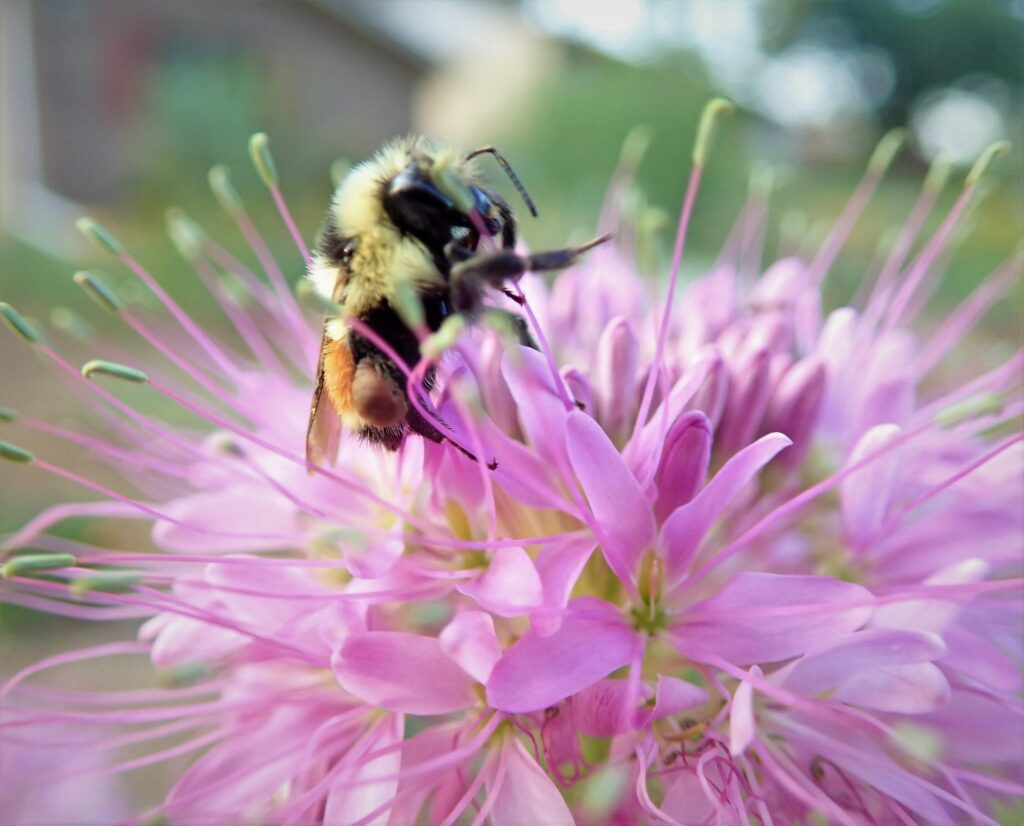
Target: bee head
pixel 417 207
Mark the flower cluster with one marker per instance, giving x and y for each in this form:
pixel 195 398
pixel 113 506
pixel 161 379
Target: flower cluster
pixel 726 562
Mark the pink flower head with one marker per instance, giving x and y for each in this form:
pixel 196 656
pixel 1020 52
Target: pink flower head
pixel 725 557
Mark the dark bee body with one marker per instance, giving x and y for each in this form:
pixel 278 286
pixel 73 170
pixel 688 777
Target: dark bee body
pixel 390 222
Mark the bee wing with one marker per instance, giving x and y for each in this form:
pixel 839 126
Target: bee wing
pixel 323 433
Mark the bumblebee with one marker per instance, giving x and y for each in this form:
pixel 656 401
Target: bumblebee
pixel 390 220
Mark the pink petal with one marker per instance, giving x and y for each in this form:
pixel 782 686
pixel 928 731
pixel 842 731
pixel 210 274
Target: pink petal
pixel 605 708
pixel 684 462
pixel 527 795
pixel 537 671
pixel 756 618
pixel 826 668
pixel 932 614
pixel 742 723
pixel 674 695
pixel 616 500
pixel 401 672
pixel 542 414
pixel 277 600
pixel 229 509
pixel 356 792
pixel 866 492
pixel 469 640
pixel 906 689
pixel 509 587
pixel 686 800
pixel 616 365
pixel 559 565
pixel 684 530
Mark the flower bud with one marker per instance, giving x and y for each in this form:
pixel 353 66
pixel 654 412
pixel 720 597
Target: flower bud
pixel 795 407
pixel 683 464
pixel 616 367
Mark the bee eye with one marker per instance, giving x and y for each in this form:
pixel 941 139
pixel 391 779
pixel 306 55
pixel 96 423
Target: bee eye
pixel 348 250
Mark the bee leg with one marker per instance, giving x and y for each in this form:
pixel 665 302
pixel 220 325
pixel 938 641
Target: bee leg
pixel 505 320
pixel 419 425
pixel 468 277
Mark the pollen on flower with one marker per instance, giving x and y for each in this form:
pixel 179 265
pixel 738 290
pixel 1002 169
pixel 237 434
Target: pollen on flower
pixel 735 557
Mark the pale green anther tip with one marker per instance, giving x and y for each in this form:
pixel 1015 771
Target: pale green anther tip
pixel 98 234
pixel 713 109
pixel 259 151
pixel 7 415
pixel 13 453
pixel 996 150
pixel 450 185
pixel 969 408
pixel 114 370
pixel 21 325
pixel 98 291
pixel 408 305
pixel 938 174
pixel 311 298
pixel 108 582
pixel 445 338
pixel 224 190
pixel 634 147
pixel 885 151
pixel 186 235
pixel 30 563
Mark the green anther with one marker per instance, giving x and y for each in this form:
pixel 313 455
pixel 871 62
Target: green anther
pixel 7 415
pixel 311 298
pixel 406 302
pixel 339 169
pixel 70 322
pixel 21 325
pixel 115 370
pixel 108 582
pixel 98 291
pixel 996 150
pixel 31 563
pixel 970 408
pixel 224 191
pixel 444 339
pixel 13 453
pixel 446 181
pixel 938 174
pixel 259 151
pixel 99 235
pixel 886 150
pixel 634 147
pixel 186 235
pixel 185 674
pixel 713 109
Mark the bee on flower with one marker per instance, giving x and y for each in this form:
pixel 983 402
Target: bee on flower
pixel 713 555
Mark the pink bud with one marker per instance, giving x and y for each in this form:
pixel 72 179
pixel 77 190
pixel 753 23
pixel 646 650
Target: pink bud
pixel 616 367
pixel 684 462
pixel 795 407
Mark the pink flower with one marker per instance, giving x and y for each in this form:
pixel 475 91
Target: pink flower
pixel 735 558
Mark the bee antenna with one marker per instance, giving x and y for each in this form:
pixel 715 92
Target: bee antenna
pixel 490 150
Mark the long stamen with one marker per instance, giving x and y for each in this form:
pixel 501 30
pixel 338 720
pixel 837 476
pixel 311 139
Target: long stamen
pixel 969 312
pixel 927 257
pixel 227 196
pixel 702 147
pixel 880 161
pixel 105 241
pixel 259 151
